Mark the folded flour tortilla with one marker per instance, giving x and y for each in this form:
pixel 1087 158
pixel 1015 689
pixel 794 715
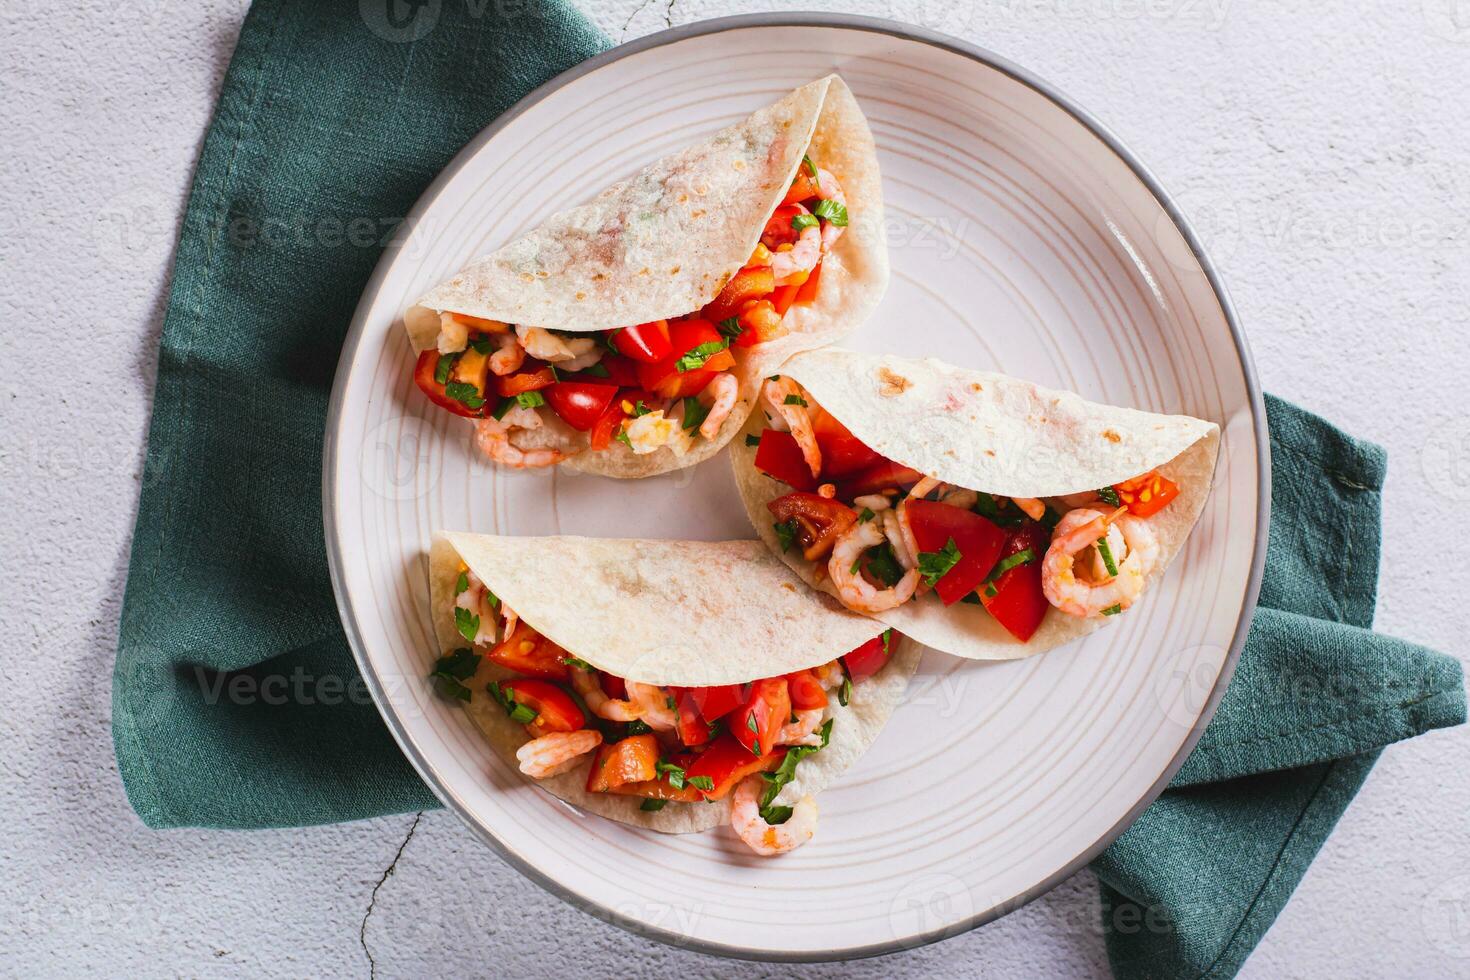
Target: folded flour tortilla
pixel 664 242
pixel 683 613
pixel 997 434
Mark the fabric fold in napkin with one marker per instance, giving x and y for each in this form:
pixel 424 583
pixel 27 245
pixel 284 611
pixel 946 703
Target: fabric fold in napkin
pixel 236 703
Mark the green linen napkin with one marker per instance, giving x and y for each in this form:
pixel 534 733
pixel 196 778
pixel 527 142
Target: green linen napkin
pixel 236 703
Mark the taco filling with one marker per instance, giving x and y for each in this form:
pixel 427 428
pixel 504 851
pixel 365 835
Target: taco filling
pixel 883 534
pixel 667 746
pixel 649 385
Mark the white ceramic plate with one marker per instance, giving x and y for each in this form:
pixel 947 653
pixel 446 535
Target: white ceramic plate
pixel 1023 239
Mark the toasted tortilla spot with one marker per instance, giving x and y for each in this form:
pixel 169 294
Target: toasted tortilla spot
pixel 892 383
pixel 738 164
pixel 1111 436
pixel 581 296
pixel 977 387
pixel 990 452
pixel 674 271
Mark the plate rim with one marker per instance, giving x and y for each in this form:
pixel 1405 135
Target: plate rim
pixel 878 25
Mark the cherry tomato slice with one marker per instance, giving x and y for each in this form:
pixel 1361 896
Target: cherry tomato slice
pixel 779 456
pixel 1019 603
pixel 716 702
pixel 423 376
pixel 645 342
pixel 632 760
pixel 820 521
pixel 1148 494
pixel 978 541
pixel 665 378
pixel 690 726
pixel 756 723
pixel 871 657
pixel 527 652
pixel 579 404
pixel 880 476
pixel 607 424
pixel 843 454
pixel 726 762
pixel 555 709
pixel 806 691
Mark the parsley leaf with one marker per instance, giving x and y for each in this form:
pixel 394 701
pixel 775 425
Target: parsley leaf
pixel 695 412
pixel 466 622
pixel 987 507
pixel 844 693
pixel 832 211
pixel 483 345
pixel 796 400
pixel 934 565
pixel 652 805
pixel 696 356
pixel 730 327
pixel 801 222
pixel 786 534
pixel 504 406
pixel 752 440
pixel 443 367
pixel 811 168
pixel 466 395
pixel 883 564
pixel 450 671
pixel 530 399
pixel 706 783
pixel 1113 610
pixel 518 712
pixel 462 583
pixel 675 773
pixel 1109 496
pixel 1010 562
pixel 598 370
pixel 786 772
pixel 638 727
pixel 866 515
pixel 577 662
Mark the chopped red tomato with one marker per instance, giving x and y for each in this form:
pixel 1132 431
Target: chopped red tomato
pixel 806 691
pixel 726 762
pixel 1018 603
pixel 716 702
pixel 646 342
pixel 633 760
pixel 803 291
pixel 1146 495
pixel 749 284
pixel 779 229
pixel 691 341
pixel 555 709
pixel 607 425
pixel 880 476
pixel 808 290
pixel 819 521
pixel 424 376
pixel 533 376
pixel 757 722
pixel 978 541
pixel 579 404
pixel 659 789
pixel 871 657
pixel 843 454
pixel 779 456
pixel 690 726
pixel 527 652
pixel 759 322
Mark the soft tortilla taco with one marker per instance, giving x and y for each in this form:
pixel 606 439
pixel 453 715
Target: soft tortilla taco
pixel 979 514
pixel 627 337
pixel 704 684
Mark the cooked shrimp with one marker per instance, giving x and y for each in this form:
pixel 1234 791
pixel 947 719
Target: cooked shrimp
pixel 723 389
pixel 896 529
pixel 959 497
pixel 763 838
pixel 830 674
pixel 1079 530
pixel 1031 507
pixel 587 686
pixel 509 354
pixel 852 588
pixel 875 502
pixel 802 731
pixel 493 437
pixel 653 704
pixel 823 186
pixel 475 598
pixel 790 259
pixel 569 353
pixel 787 399
pixel 511 619
pixel 556 752
pixel 1073 500
pixel 454 334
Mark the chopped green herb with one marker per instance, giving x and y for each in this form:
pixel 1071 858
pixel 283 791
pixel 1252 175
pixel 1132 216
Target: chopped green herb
pixel 493 599
pixel 706 783
pixel 519 713
pixel 866 515
pixel 844 693
pixel 669 702
pixel 675 773
pixel 1106 554
pixel 752 440
pixel 466 395
pixel 883 564
pixel 504 406
pixel 467 623
pixel 638 727
pixel 461 583
pixel 696 356
pixel 530 399
pixel 786 772
pixel 483 345
pixel 796 400
pixel 695 412
pixel 577 662
pixel 987 507
pixel 1050 518
pixel 811 168
pixel 973 598
pixel 774 377
pixel 887 639
pixel 801 222
pixel 730 327
pixel 449 673
pixel 652 806
pixel 598 370
pixel 1109 496
pixel 831 211
pixel 1009 562
pixel 443 367
pixel 1113 610
pixel 934 565
pixel 786 534
pixel 640 409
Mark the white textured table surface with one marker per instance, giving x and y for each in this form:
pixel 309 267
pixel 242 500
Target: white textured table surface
pixel 1323 149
